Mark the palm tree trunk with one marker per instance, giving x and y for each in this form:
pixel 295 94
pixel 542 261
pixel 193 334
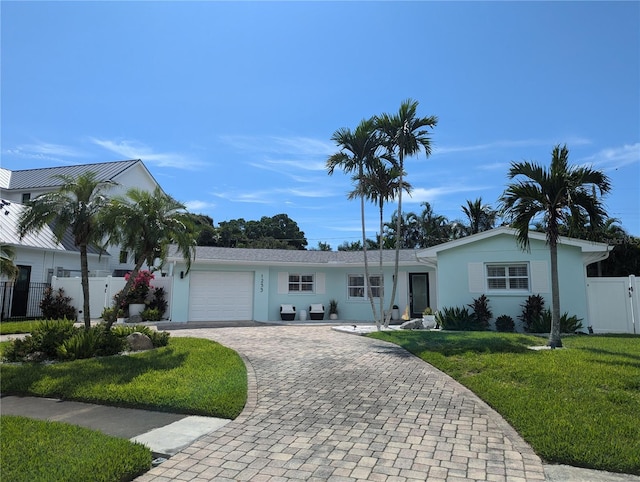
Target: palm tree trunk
pixel 554 336
pixel 84 271
pixel 398 238
pixel 380 250
pixel 366 262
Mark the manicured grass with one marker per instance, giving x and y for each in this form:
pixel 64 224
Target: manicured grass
pixel 12 327
pixel 41 451
pixel 192 376
pixel 578 406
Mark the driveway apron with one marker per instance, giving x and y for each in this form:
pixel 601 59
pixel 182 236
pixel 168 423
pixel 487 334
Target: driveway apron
pixel 325 405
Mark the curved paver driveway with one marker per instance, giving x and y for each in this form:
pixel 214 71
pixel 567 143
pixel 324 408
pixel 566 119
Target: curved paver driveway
pixel 325 405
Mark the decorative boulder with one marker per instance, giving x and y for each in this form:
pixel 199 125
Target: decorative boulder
pixel 139 341
pixel 415 324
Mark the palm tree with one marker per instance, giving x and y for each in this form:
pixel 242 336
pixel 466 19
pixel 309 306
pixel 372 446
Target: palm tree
pixel 75 207
pixel 553 194
pixel 146 223
pixel 435 227
pixel 358 149
pixel 481 217
pixel 404 134
pixel 7 266
pixel 379 184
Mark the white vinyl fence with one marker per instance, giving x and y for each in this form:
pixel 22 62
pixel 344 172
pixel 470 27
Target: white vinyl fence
pixel 613 305
pixel 102 291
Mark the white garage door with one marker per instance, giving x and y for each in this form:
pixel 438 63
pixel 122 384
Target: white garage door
pixel 220 296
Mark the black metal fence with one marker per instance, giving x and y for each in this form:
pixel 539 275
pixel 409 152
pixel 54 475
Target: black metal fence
pixel 21 300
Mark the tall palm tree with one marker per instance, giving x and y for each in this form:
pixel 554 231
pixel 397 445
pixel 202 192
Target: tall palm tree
pixel 435 227
pixel 146 223
pixel 553 194
pixel 358 149
pixel 7 266
pixel 380 184
pixel 404 134
pixel 481 217
pixel 75 207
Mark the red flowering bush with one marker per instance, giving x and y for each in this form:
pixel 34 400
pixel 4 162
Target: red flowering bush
pixel 140 289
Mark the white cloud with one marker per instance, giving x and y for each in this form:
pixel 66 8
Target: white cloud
pixel 615 157
pixel 45 151
pixel 196 205
pixel 137 150
pixel 508 144
pixel 419 195
pixel 295 146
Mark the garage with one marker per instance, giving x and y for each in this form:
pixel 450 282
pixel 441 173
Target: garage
pixel 221 296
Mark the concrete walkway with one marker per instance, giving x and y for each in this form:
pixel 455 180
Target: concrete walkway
pixel 330 406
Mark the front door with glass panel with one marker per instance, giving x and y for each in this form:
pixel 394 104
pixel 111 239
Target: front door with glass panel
pixel 418 293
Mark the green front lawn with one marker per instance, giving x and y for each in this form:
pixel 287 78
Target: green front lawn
pixel 578 406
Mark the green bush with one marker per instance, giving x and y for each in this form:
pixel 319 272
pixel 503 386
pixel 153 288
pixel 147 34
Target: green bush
pixel 151 314
pixel 20 350
pixel 568 324
pixel 84 344
pixel 108 312
pixel 55 305
pixel 531 311
pixel 42 343
pixel 481 311
pixel 505 323
pixel 158 338
pixel 457 319
pixel 159 301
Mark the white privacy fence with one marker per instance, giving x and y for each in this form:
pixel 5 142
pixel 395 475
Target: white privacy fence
pixel 613 305
pixel 102 291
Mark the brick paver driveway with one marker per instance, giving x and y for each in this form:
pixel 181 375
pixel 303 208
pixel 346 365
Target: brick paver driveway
pixel 325 405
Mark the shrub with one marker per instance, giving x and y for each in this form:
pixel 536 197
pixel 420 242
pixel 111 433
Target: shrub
pixel 50 334
pixel 55 305
pixel 531 311
pixel 108 312
pixel 159 302
pixel 481 311
pixel 457 319
pixel 151 314
pixel 24 349
pixel 568 324
pixel 505 323
pixel 158 338
pixel 84 344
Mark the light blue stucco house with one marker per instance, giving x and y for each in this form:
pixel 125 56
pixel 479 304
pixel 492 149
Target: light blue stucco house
pixel 252 284
pixel 492 263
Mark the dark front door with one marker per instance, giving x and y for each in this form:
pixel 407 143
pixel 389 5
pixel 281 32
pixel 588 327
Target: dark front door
pixel 418 293
pixel 21 291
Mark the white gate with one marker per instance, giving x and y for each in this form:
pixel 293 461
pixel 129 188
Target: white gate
pixel 102 291
pixel 613 305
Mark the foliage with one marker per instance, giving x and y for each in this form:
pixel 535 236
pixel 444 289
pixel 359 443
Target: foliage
pixel 568 324
pixel 275 232
pixel 7 255
pixel 151 314
pixel 578 406
pixel 159 302
pixel 505 323
pixel 109 312
pixel 458 319
pixel 140 289
pixel 333 307
pixel 623 260
pixel 191 376
pixel 481 217
pixel 427 311
pixel 55 305
pixel 41 451
pixel 42 343
pixel 531 311
pixel 51 340
pixel 481 312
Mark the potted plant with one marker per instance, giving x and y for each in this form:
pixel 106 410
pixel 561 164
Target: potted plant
pixel 333 310
pixel 428 318
pixel 137 296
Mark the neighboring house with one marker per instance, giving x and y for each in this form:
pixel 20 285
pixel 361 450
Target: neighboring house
pixel 493 264
pixel 39 257
pixel 252 284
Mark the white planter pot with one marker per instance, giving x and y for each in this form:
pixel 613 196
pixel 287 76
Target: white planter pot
pixel 333 316
pixel 395 314
pixel 429 321
pixel 136 308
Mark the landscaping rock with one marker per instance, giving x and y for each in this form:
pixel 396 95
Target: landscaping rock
pixel 415 324
pixel 139 341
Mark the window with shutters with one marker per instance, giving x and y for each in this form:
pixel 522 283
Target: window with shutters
pixel 508 277
pixel 301 283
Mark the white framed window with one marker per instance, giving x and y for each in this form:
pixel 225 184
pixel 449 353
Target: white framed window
pixel 508 277
pixel 124 257
pixel 357 290
pixel 301 283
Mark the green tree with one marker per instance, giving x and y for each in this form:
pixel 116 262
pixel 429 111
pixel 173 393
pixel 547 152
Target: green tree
pixel 435 226
pixel 481 217
pixel 552 195
pixel 207 235
pixel 404 134
pixel 7 266
pixel 358 149
pixel 76 207
pixel 146 223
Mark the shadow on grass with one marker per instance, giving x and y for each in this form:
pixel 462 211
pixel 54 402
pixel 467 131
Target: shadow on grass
pixel 458 343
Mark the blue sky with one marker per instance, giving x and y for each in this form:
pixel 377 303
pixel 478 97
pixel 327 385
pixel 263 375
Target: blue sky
pixel 231 105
